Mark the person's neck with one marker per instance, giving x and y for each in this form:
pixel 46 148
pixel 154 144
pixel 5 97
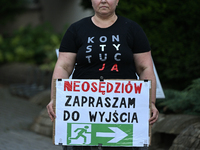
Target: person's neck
pixel 104 21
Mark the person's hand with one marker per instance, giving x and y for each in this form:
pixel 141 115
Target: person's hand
pixel 51 111
pixel 155 114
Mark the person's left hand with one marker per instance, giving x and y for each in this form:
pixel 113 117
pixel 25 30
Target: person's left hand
pixel 155 114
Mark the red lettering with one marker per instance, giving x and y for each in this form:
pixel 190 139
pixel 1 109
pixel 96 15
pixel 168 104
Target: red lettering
pixel 87 86
pixel 102 67
pixel 117 87
pixel 128 87
pixel 68 86
pixel 75 86
pixel 94 88
pixel 109 87
pixel 122 87
pixel 115 67
pixel 138 88
pixel 101 86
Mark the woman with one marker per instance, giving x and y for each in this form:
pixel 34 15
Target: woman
pixel 105 45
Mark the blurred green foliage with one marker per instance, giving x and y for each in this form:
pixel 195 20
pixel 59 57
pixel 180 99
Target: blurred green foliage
pixel 172 27
pixel 186 101
pixel 35 45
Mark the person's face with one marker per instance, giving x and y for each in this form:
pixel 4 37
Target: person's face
pixel 104 6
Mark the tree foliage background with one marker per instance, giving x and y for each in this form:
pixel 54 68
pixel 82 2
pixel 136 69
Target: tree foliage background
pixel 173 30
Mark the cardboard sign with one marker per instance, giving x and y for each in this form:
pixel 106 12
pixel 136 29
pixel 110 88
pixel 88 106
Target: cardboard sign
pixel 109 112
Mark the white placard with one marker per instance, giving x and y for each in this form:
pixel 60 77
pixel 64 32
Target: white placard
pixel 109 112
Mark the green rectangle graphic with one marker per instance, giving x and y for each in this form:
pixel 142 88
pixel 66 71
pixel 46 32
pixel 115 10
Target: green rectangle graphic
pixel 105 134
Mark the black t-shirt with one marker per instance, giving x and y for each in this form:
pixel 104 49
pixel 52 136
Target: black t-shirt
pixel 106 52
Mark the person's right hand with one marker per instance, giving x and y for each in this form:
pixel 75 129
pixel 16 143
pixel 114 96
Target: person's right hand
pixel 50 110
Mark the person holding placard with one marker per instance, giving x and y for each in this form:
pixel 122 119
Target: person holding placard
pixel 105 46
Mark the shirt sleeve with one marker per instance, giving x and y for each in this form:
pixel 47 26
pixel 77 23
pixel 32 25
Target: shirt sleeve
pixel 69 41
pixel 140 40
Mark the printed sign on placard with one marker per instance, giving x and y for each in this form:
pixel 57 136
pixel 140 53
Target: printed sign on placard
pixel 109 112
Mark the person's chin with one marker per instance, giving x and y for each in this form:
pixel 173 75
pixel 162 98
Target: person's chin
pixel 104 12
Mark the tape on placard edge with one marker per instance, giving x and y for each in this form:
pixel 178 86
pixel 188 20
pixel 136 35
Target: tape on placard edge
pixel 101 78
pixel 145 145
pixel 99 146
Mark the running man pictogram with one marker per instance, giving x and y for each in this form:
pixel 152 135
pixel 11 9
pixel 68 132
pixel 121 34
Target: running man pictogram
pixel 80 134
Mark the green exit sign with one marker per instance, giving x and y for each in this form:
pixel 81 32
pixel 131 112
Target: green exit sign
pixel 95 134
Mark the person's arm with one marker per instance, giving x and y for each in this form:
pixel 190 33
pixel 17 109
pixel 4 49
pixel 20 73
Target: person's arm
pixel 62 70
pixel 144 68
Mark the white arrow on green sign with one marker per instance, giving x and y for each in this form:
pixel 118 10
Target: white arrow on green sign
pixel 116 131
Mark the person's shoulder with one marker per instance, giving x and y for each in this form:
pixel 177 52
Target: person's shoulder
pixel 79 25
pixel 131 25
pixel 81 22
pixel 128 21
